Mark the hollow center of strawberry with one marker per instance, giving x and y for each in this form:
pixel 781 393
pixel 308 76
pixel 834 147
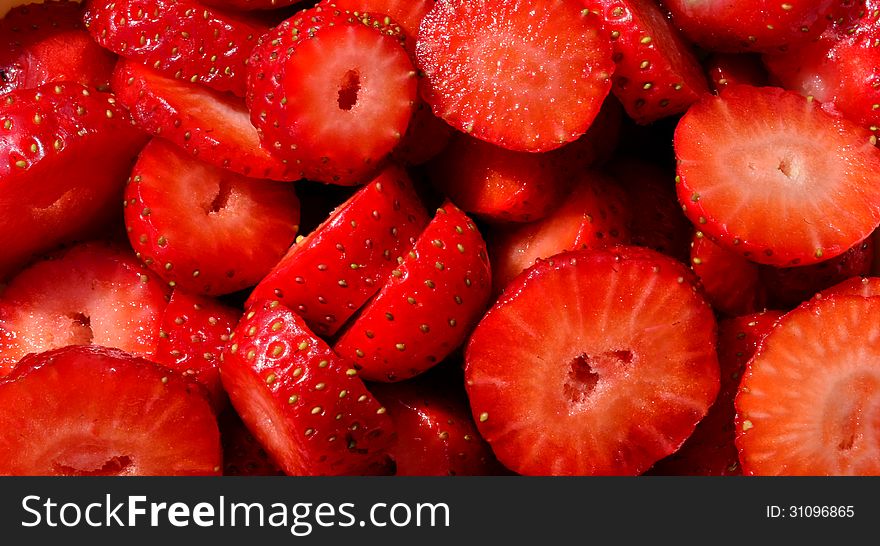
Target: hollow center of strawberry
pixel 81 329
pixel 790 167
pixel 92 461
pixel 585 372
pixel 349 89
pixel 221 198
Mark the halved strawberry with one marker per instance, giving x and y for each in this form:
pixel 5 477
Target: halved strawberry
pixel 242 453
pixel 528 75
pixel 192 334
pixel 93 411
pixel 594 362
pixel 306 405
pixel 332 92
pixel 428 305
pixel 710 450
pixel 735 69
pixel 856 286
pixel 808 401
pixel 42 43
pixel 91 293
pixel 767 173
pixel 406 13
pixel 329 274
pixel 205 229
pixel 178 38
pixel 595 215
pixel 656 73
pixel 51 140
pixel 213 126
pixel 732 283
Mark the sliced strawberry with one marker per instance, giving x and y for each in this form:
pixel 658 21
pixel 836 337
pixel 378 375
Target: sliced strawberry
pixel 249 5
pixel 178 38
pixel 767 173
pixel 595 215
pixel 213 126
pixel 42 43
pixel 710 450
pixel 807 404
pixel 51 192
pixel 867 287
pixel 593 362
pixel 92 293
pixel 732 283
pixel 306 405
pixel 406 13
pixel 428 306
pixel 93 411
pixel 205 229
pixel 193 332
pixel 528 75
pixel 735 69
pixel 328 275
pixel 656 74
pixel 332 92
pixel 242 453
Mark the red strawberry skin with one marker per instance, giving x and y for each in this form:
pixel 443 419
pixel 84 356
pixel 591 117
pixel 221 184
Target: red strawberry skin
pixel 733 284
pixel 428 305
pixel 735 69
pixel 242 453
pixel 867 287
pixel 407 13
pixel 93 411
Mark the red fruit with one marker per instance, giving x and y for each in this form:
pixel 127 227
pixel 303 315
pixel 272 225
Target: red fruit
pixel 426 136
pixel 656 74
pixel 51 141
pixel 732 283
pixel 406 13
pixel 42 43
pixel 428 306
pixel 205 229
pixel 332 92
pixel 750 25
pixel 213 126
pixel 178 38
pixel 768 174
pixel 93 411
pixel 242 453
pixel 92 293
pixel 524 75
pixel 249 5
pixel 735 69
pixel 808 401
pixel 193 332
pixel 593 362
pixel 595 215
pixel 710 450
pixel 328 275
pixel 867 287
pixel 307 407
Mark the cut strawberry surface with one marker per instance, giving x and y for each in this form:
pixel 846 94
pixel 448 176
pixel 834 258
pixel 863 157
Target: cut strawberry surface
pixel 213 126
pixel 92 293
pixel 656 74
pixel 329 274
pixel 767 173
pixel 594 362
pixel 427 307
pixel 809 402
pixel 496 68
pixel 205 229
pixel 306 405
pixel 179 38
pixel 242 453
pixel 732 283
pixel 867 287
pixel 93 411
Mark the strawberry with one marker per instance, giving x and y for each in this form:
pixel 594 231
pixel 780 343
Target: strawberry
pixel 767 173
pixel 178 38
pixel 426 136
pixel 205 229
pixel 855 286
pixel 710 450
pixel 498 69
pixel 750 25
pixel 732 283
pixel 42 43
pixel 406 13
pixel 242 453
pixel 193 332
pixel 595 215
pixel 93 411
pixel 332 93
pixel 427 307
pixel 91 293
pixel 329 274
pixel 593 362
pixel 51 139
pixel 307 406
pixel 213 126
pixel 597 145
pixel 735 69
pixel 807 401
pixel 656 74
pixel 248 5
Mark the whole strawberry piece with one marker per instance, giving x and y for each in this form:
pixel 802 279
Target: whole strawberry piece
pixel 528 75
pixel 307 406
pixel 593 362
pixel 93 411
pixel 428 306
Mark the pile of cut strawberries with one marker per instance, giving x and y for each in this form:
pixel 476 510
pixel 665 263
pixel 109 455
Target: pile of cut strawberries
pixel 451 237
